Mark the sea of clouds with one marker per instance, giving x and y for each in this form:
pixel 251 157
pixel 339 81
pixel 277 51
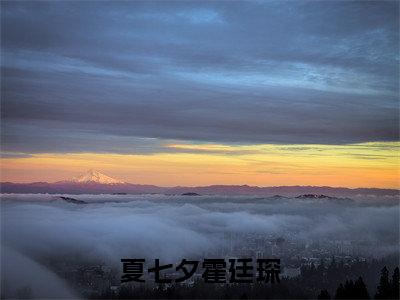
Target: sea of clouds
pixel 109 227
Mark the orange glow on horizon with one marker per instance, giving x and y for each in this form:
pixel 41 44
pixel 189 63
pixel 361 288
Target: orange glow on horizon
pixel 356 165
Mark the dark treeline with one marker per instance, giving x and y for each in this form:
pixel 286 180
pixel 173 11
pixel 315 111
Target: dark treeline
pixel 387 288
pixel 337 280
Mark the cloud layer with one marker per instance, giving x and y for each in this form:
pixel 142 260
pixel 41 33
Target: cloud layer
pixel 107 76
pixel 40 228
pixel 170 227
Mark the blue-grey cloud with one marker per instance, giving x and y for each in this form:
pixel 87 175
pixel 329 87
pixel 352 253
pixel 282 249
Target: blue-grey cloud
pixel 227 72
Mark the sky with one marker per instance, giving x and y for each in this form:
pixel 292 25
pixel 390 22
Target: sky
pixel 196 93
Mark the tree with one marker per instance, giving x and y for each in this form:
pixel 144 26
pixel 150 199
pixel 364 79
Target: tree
pixel 384 288
pixel 395 284
pixel 349 289
pixel 360 290
pixel 324 294
pixel 340 293
pixel 352 290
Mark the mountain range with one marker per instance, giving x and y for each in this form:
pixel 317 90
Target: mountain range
pixel 93 182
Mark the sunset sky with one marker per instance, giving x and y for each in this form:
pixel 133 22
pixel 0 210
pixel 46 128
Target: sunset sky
pixel 196 93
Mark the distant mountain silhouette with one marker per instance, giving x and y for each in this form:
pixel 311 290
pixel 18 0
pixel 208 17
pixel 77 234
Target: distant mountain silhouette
pixel 96 183
pixel 69 187
pixel 72 200
pixel 313 196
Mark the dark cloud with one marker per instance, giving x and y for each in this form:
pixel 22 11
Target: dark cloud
pixel 237 72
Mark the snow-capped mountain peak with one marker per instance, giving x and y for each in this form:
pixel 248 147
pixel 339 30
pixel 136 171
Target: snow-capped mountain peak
pixel 94 176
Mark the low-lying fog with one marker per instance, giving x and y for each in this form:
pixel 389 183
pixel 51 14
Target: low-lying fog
pixel 109 227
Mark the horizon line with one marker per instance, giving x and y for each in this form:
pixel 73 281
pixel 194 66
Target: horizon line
pixel 202 186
